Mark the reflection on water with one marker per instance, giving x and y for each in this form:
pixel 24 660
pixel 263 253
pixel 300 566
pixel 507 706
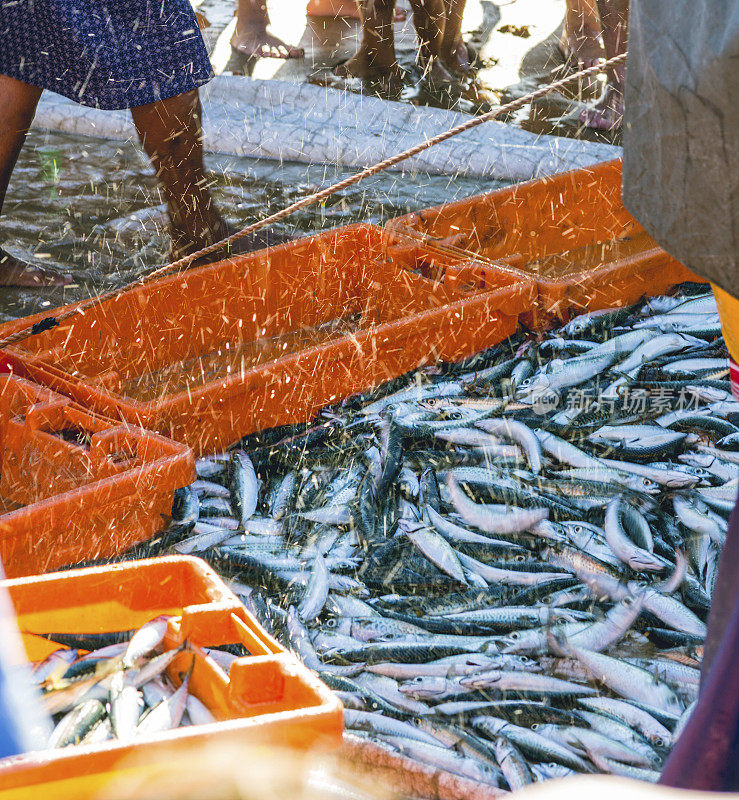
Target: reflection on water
pixel 72 199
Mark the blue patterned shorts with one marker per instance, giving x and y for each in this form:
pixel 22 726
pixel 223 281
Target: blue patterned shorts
pixel 104 53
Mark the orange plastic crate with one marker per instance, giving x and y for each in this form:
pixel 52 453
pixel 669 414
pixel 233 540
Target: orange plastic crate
pixel 268 697
pixel 75 486
pixel 569 232
pixel 215 353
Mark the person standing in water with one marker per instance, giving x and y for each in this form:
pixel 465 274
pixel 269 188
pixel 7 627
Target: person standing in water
pixel 441 51
pixel 146 55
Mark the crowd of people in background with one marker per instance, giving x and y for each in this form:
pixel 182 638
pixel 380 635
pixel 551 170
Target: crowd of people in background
pixel 592 30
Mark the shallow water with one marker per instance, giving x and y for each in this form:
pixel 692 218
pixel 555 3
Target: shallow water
pixel 90 207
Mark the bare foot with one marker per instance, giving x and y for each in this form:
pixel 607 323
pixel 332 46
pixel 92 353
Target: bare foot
pixel 580 40
pixel 359 66
pixel 14 272
pixel 458 59
pixel 252 40
pixel 184 242
pixel 436 75
pixel 607 113
pixel 584 50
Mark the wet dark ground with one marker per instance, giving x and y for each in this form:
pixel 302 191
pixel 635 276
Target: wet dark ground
pixel 71 200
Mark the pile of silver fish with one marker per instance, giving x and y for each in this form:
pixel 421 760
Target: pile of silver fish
pixel 96 689
pixel 504 566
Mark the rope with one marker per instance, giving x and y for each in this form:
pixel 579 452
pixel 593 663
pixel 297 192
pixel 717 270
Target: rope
pixel 51 322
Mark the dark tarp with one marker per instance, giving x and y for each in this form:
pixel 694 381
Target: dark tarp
pixel 681 132
pixel 706 756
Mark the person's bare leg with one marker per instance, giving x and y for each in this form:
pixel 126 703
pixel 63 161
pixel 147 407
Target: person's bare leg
pixel 348 9
pixel 429 17
pixel 18 103
pixel 608 111
pixel 375 59
pixel 251 38
pixel 580 38
pixel 171 134
pixel 454 52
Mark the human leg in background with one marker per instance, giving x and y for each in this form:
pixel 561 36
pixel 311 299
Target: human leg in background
pixel 18 103
pixel 607 112
pixel 429 20
pixel 580 40
pixel 251 38
pixel 375 60
pixel 454 52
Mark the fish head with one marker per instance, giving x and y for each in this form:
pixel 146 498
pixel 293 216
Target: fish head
pixel 341 625
pixel 345 583
pixel 641 484
pixel 552 770
pixel 577 326
pixel 659 740
pixel 533 389
pixel 502 748
pixel 699 472
pixel 519 642
pixel 690 341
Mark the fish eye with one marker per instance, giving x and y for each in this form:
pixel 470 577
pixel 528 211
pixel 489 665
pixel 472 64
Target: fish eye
pixel 331 623
pixel 578 529
pixel 515 635
pixel 535 726
pixel 520 558
pixel 659 741
pixel 419 679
